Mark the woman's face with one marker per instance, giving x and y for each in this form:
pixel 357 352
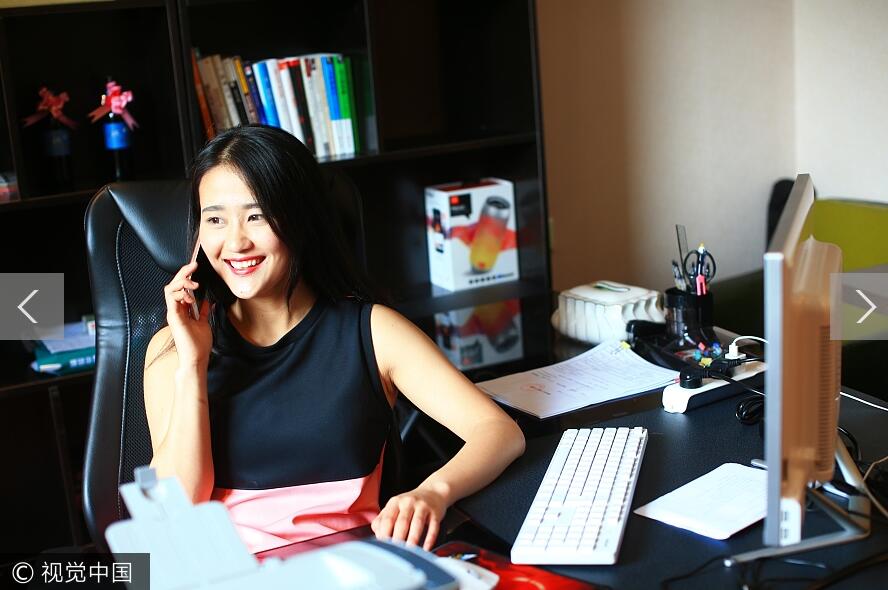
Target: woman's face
pixel 237 239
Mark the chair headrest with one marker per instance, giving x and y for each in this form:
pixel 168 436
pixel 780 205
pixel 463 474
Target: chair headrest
pixel 157 210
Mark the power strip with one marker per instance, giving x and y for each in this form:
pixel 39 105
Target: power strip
pixel 678 400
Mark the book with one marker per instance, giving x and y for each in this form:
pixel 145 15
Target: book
pixel 235 89
pixel 263 83
pixel 76 351
pixel 320 90
pixel 225 84
pixel 205 116
pixel 277 91
pixel 295 70
pixel 254 93
pixel 213 92
pixel 63 363
pixel 319 129
pixel 346 103
pixel 336 120
pixel 290 97
pixel 246 95
pixel 352 102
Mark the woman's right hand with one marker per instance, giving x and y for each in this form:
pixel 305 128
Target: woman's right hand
pixel 193 337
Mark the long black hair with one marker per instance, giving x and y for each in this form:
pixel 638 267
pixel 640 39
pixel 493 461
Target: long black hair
pixel 289 186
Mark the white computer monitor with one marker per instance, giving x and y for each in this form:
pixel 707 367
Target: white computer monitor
pixel 802 383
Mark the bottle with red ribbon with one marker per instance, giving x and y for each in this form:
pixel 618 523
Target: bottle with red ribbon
pixel 117 127
pixel 56 139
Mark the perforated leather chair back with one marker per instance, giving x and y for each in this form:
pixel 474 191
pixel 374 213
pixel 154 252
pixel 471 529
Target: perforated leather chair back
pixel 136 241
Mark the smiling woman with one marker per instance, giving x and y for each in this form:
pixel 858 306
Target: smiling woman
pixel 277 400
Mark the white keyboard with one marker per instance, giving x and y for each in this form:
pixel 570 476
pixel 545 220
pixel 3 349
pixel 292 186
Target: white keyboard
pixel 580 510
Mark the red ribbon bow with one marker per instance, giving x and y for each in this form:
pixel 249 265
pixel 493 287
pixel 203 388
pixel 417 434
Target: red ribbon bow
pixel 114 101
pixel 50 104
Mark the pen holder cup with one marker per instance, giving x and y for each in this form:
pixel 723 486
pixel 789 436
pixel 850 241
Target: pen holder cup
pixel 687 313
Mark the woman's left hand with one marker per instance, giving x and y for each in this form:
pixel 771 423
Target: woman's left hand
pixel 406 516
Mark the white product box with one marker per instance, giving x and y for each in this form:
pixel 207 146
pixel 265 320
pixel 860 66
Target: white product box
pixel 481 336
pixel 471 233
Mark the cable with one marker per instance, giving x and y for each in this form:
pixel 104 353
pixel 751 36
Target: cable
pixel 724 377
pixel 748 338
pixel 873 464
pixel 665 583
pixel 750 410
pixel 863 401
pixel 851 570
pixel 880 518
pixel 855 448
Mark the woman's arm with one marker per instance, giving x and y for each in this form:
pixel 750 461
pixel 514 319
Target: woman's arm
pixel 409 361
pixel 175 388
pixel 178 419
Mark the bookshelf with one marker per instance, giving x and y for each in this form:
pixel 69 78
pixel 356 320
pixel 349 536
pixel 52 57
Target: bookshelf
pixel 446 90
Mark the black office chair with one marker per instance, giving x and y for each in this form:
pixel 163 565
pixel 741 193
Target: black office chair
pixel 136 241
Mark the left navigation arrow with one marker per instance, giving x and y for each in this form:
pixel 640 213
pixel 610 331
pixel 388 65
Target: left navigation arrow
pixel 21 306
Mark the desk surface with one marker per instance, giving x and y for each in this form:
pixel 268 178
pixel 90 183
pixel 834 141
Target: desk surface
pixel 680 448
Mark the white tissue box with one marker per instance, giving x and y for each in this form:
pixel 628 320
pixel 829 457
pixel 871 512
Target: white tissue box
pixel 599 311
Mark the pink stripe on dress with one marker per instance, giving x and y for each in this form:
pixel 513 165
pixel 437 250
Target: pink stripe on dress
pixel 266 519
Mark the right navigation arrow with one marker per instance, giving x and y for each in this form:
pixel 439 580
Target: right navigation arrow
pixel 870 310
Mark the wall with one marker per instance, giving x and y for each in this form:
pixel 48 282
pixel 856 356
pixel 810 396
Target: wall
pixel 657 113
pixel 841 93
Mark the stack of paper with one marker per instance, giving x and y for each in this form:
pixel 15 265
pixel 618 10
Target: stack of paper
pixel 716 505
pixel 607 372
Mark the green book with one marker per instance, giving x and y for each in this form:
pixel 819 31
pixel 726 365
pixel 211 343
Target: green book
pixel 342 67
pixel 62 363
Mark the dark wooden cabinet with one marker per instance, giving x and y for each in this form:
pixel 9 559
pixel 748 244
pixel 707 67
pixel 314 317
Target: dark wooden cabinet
pixel 447 90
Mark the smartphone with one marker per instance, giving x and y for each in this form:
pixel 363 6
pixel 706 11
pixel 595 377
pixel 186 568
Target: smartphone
pixel 195 304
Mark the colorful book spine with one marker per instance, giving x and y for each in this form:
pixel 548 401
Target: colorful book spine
pixel 295 69
pixel 345 103
pixel 277 91
pixel 205 116
pixel 352 102
pixel 319 129
pixel 225 84
pixel 333 102
pixel 249 104
pixel 290 97
pixel 317 80
pixel 254 93
pixel 260 70
pixel 213 93
pixel 234 87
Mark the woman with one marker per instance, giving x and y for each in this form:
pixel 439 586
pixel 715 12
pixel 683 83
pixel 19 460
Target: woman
pixel 277 400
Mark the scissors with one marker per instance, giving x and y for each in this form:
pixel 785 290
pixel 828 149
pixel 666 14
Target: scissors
pixel 699 266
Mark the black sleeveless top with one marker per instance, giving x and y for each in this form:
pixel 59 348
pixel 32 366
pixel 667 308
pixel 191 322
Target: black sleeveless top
pixel 308 409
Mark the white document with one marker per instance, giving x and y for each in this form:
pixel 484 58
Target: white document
pixel 607 372
pixel 716 505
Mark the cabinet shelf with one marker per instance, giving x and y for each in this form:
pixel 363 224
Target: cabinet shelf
pixel 431 150
pixel 426 299
pixel 48 201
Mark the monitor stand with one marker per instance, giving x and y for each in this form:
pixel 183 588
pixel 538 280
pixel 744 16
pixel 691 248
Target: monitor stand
pixel 855 521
